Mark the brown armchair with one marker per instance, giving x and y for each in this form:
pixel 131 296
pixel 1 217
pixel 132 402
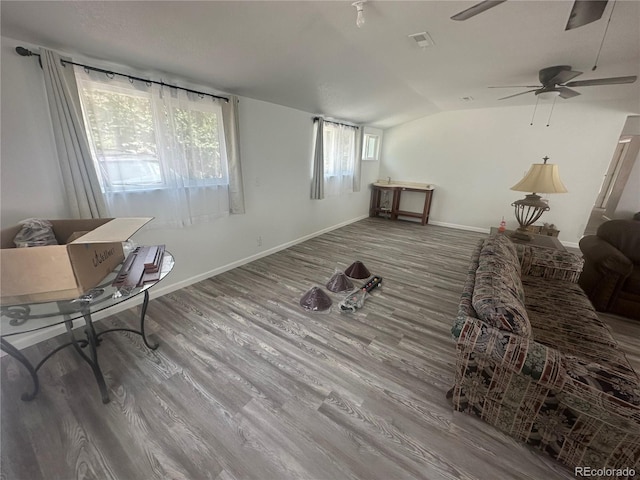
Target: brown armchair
pixel 611 273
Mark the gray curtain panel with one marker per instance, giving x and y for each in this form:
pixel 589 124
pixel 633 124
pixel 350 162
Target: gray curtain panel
pixel 317 175
pixel 232 140
pixel 81 183
pixel 357 165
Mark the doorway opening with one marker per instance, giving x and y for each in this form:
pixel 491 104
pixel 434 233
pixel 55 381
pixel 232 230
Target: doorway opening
pixel 619 195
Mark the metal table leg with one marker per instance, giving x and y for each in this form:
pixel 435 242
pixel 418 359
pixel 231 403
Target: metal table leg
pixel 17 354
pixel 140 332
pixel 90 356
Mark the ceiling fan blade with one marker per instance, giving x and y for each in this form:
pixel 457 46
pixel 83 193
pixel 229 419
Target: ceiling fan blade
pixel 602 81
pixel 584 12
pixel 567 92
pixel 517 86
pixel 476 9
pixel 517 94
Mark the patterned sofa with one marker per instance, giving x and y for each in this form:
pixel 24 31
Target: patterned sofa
pixel 535 361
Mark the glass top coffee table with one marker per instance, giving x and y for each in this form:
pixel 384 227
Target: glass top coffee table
pixel 543 241
pixel 25 318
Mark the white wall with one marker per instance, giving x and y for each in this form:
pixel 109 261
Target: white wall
pixel 473 157
pixel 276 145
pixel 30 182
pixel 629 203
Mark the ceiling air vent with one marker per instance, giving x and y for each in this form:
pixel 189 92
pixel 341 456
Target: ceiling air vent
pixel 423 39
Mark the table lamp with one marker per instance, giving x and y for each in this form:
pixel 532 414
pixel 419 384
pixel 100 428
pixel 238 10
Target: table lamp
pixel 541 178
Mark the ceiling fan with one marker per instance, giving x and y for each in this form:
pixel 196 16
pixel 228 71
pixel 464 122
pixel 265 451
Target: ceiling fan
pixel 582 13
pixel 556 81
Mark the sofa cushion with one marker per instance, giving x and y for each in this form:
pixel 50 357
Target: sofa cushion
pixel 550 263
pixel 498 295
pixel 562 318
pixel 502 246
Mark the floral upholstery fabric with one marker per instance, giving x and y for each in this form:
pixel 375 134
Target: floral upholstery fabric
pixel 498 295
pixel 465 308
pixel 549 263
pixel 501 246
pixel 564 386
pixel 562 317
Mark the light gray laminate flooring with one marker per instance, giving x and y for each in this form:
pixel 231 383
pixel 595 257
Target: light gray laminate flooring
pixel 247 385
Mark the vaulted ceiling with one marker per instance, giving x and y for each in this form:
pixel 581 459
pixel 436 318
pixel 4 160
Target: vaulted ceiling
pixel 310 55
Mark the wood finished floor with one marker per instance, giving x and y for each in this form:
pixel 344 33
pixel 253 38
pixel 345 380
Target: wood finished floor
pixel 246 385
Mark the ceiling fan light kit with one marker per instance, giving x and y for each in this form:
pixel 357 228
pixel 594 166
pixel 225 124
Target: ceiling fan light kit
pixel 548 95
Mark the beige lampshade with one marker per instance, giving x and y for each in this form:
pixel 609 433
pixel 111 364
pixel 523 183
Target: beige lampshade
pixel 541 178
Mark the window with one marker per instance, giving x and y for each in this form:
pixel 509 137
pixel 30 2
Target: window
pixel 155 139
pixel 371 147
pixel 140 140
pixel 339 158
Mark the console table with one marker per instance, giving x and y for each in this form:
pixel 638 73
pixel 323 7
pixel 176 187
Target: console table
pixel 382 205
pixel 24 318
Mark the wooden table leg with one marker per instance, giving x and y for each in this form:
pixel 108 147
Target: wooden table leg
pixel 395 205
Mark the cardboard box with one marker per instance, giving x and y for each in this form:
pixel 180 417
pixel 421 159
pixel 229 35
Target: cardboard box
pixel 65 271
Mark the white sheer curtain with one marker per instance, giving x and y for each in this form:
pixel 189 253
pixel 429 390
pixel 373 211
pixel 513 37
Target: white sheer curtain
pixel 158 151
pixel 84 197
pixel 357 167
pixel 339 145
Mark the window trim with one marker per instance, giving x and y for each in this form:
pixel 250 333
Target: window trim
pixel 376 154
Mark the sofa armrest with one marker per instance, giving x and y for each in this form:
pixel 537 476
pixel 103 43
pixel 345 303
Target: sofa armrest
pixel 549 263
pixel 615 394
pixel 605 257
pixel 519 354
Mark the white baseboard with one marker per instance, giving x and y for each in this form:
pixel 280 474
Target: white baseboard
pixel 487 230
pixel 238 263
pixel 31 338
pixel 459 227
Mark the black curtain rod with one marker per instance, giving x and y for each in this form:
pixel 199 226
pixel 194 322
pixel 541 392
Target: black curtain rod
pixel 28 53
pixel 315 119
